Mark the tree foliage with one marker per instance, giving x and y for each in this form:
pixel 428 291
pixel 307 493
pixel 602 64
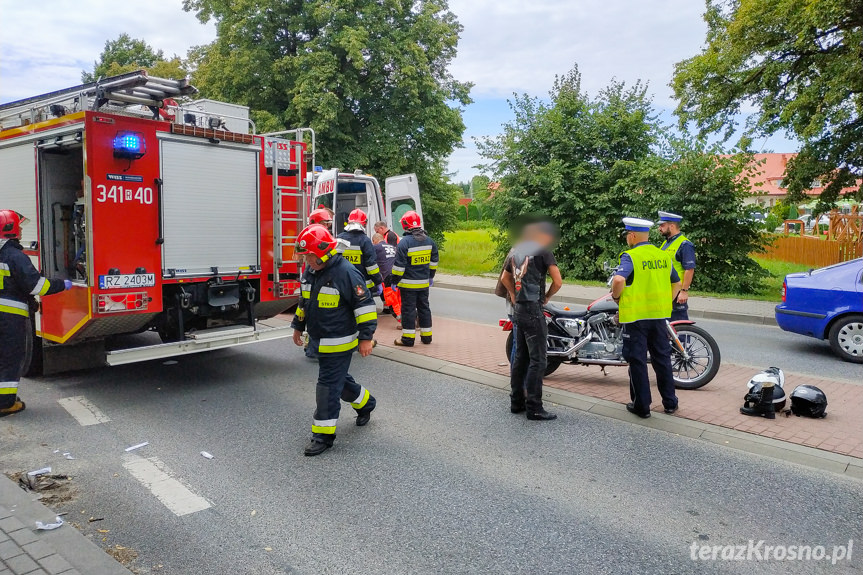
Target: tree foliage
pixel 565 158
pixel 801 65
pixel 587 162
pixel 370 76
pixel 127 54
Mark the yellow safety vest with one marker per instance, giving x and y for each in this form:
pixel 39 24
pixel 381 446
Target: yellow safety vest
pixel 649 295
pixel 672 250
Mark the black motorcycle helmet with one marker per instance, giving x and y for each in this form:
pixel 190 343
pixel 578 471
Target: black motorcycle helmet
pixel 754 396
pixel 808 401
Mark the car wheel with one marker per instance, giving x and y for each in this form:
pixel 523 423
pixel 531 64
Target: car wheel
pixel 846 338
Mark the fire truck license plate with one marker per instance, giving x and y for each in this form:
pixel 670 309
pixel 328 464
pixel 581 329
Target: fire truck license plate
pixel 127 281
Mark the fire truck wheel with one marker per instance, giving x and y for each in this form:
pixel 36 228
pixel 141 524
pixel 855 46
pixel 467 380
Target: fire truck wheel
pixel 32 365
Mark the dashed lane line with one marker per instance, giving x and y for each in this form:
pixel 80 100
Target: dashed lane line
pixel 158 479
pixel 83 410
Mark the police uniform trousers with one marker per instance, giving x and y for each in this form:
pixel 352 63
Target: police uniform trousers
pixel 415 303
pixel 335 385
pixel 679 311
pixel 529 356
pixel 13 343
pixel 639 337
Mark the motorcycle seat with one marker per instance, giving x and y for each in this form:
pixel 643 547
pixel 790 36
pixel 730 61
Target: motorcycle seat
pixel 560 312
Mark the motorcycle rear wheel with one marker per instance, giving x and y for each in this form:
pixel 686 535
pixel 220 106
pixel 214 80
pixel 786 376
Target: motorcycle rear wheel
pixel 704 358
pixel 551 365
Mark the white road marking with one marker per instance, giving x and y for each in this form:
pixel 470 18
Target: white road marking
pixel 83 411
pixel 158 479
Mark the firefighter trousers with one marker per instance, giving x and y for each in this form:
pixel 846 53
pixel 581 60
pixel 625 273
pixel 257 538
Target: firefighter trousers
pixel 335 385
pixel 415 304
pixel 13 342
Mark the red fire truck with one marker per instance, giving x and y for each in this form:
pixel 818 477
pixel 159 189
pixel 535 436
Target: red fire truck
pixel 168 215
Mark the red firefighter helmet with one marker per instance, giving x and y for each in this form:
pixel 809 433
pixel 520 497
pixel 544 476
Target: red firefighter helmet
pixel 358 217
pixel 410 220
pixel 319 216
pixel 315 239
pixel 10 224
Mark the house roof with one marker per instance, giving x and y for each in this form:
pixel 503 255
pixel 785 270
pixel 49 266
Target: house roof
pixel 770 173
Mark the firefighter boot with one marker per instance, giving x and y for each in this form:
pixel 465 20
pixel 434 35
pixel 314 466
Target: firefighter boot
pixel 364 415
pixel 764 407
pixel 14 408
pixel 316 447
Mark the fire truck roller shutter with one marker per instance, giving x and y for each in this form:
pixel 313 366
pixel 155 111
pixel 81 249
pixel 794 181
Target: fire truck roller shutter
pixel 209 207
pixel 18 187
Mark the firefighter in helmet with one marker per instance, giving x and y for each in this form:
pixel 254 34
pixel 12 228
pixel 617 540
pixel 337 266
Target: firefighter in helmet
pixel 414 271
pixel 359 250
pixel 19 282
pixel 339 313
pixel 322 216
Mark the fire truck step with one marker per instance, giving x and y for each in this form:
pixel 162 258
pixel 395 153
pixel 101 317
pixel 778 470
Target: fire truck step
pixel 218 332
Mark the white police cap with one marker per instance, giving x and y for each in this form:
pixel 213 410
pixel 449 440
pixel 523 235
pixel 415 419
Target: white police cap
pixel 669 217
pixel 637 224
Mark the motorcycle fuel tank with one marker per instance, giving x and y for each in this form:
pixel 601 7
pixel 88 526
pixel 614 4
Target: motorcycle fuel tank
pixel 605 304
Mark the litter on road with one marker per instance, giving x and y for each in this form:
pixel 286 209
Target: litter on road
pixel 207 455
pixel 49 526
pixel 139 446
pixel 36 472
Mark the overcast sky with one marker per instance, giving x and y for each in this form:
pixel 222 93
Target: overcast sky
pixel 507 46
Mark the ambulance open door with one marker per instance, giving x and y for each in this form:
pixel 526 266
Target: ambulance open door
pixel 402 195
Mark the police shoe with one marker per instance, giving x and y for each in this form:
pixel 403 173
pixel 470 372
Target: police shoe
pixel 541 416
pixel 363 416
pixel 630 407
pixel 671 410
pixel 14 408
pixel 316 447
pixel 515 408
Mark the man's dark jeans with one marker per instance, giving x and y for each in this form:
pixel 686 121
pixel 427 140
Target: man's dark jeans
pixel 530 349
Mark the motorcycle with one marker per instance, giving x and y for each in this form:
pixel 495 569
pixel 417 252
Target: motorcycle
pixel 595 337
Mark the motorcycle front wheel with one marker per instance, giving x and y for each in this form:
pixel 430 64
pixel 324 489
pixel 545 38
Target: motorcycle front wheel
pixel 552 363
pixel 701 362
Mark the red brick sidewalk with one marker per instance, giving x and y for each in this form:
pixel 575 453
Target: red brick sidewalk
pixel 482 347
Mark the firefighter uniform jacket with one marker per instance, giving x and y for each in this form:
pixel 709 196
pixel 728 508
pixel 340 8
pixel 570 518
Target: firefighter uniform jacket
pixel 19 280
pixel 361 252
pixel 416 261
pixel 336 307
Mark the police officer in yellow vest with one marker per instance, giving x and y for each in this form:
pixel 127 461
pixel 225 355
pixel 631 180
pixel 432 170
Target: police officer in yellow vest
pixel 644 286
pixel 682 253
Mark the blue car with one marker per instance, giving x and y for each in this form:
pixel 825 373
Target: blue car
pixel 828 304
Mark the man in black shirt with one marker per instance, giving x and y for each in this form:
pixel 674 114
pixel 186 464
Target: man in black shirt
pixel 524 277
pixel 390 236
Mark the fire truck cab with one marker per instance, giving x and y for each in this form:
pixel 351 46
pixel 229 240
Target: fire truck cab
pixel 168 215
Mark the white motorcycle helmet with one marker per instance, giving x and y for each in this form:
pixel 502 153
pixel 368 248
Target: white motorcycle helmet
pixel 771 374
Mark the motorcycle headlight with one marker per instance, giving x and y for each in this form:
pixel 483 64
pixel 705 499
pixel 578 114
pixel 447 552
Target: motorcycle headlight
pixel 574 327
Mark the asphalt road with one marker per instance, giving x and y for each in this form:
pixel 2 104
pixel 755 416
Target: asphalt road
pixel 743 344
pixel 443 480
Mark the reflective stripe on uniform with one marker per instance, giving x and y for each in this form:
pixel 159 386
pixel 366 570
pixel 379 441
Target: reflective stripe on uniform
pixel 4 273
pixel 8 387
pixel 417 249
pixel 413 284
pixel 370 284
pixel 373 269
pixel 353 254
pixel 366 313
pixel 42 287
pixel 362 399
pixel 398 270
pixel 301 313
pixel 14 307
pixel 307 290
pixel 433 265
pixel 325 426
pixel 409 333
pixel 425 331
pixel 337 344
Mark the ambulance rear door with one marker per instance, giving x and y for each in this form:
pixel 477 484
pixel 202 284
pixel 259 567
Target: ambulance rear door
pixel 402 195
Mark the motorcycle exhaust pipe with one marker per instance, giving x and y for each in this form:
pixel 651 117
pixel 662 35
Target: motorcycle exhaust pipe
pixel 615 362
pixel 570 350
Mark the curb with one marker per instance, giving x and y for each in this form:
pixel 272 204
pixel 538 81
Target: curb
pixel 67 542
pixel 693 313
pixel 844 465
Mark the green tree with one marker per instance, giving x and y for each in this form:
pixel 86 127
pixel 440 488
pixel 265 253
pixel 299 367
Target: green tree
pixel 127 54
pixel 709 190
pixel 370 76
pixel 800 63
pixel 565 159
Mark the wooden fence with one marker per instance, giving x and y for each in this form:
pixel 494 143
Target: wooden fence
pixel 813 251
